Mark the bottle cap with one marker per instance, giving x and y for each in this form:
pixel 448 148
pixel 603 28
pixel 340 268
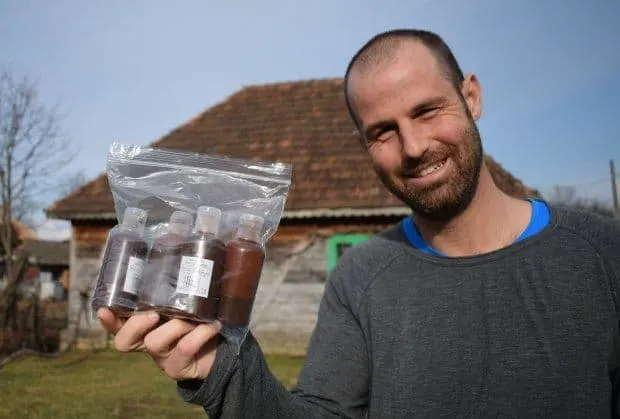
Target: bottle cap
pixel 208 220
pixel 250 227
pixel 180 223
pixel 134 219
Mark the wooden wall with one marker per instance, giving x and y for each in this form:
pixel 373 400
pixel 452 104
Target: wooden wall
pixel 87 241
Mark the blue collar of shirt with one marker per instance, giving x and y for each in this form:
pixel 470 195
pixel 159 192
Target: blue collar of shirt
pixel 541 217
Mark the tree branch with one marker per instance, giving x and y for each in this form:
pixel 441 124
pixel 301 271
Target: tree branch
pixel 32 152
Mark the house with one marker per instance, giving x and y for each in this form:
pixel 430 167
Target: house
pixel 23 232
pixel 19 234
pixel 335 199
pixel 47 260
pixel 47 265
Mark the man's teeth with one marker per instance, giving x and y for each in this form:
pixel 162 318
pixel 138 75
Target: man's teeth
pixel 432 169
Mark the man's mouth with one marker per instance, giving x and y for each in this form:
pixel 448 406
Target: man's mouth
pixel 429 169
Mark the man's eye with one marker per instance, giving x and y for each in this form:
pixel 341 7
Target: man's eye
pixel 384 135
pixel 428 113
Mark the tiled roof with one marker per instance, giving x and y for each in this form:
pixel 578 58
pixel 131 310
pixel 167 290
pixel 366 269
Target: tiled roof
pixel 304 123
pixel 21 231
pixel 48 252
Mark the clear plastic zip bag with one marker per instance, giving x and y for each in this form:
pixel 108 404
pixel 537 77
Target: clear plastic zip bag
pixel 191 234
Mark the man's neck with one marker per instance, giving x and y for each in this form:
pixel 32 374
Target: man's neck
pixel 493 220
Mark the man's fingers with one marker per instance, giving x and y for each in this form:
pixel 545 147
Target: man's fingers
pixel 109 321
pixel 130 336
pixel 191 343
pixel 160 341
pixel 194 354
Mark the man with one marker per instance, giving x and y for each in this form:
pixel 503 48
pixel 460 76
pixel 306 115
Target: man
pixel 479 305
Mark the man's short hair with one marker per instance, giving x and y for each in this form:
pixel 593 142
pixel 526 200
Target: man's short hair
pixel 382 46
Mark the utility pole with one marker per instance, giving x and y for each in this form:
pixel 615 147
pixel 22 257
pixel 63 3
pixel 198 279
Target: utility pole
pixel 614 189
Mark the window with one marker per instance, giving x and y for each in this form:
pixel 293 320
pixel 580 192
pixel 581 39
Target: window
pixel 338 244
pixel 45 276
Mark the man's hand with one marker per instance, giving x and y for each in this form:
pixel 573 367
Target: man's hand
pixel 181 349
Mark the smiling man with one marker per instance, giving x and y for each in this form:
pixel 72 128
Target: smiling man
pixel 479 305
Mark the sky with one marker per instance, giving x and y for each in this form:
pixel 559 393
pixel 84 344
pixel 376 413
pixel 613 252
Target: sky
pixel 133 71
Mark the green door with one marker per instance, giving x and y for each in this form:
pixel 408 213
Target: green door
pixel 338 244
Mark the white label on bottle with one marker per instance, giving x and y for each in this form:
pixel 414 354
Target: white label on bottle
pixel 195 276
pixel 135 267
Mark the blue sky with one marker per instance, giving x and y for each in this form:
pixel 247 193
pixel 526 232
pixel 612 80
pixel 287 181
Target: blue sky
pixel 132 71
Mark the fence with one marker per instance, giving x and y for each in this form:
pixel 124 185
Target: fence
pixel 37 325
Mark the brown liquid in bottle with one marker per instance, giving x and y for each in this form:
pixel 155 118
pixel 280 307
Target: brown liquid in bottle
pixel 244 263
pixel 198 288
pixel 162 267
pixel 160 275
pixel 122 266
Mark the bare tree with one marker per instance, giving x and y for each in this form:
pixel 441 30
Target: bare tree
pixel 564 195
pixel 594 205
pixel 70 183
pixel 33 152
pixel 567 196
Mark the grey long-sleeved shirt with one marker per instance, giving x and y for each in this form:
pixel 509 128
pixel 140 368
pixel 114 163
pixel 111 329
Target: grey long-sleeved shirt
pixel 529 331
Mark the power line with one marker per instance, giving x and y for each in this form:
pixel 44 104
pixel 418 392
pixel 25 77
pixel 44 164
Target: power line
pixel 593 182
pixel 599 181
pixel 575 185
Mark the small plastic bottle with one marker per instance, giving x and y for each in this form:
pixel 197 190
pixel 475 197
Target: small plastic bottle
pixel 202 264
pixel 244 263
pixel 123 265
pixel 162 266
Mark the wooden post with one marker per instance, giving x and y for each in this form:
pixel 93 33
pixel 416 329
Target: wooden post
pixel 614 189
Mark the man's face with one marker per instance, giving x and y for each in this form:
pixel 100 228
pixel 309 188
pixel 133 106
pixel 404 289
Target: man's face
pixel 420 131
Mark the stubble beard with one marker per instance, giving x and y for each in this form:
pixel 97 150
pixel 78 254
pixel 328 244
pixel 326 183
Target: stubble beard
pixel 446 200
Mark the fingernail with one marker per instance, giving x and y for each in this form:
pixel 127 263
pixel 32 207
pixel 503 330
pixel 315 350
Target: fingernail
pixel 153 315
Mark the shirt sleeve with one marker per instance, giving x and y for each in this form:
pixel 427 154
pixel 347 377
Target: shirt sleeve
pixel 606 239
pixel 333 382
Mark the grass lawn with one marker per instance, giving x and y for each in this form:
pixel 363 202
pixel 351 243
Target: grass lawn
pixel 102 384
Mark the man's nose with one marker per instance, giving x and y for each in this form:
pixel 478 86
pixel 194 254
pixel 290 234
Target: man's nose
pixel 414 143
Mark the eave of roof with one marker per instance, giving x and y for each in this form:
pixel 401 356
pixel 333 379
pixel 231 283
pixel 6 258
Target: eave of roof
pixel 293 214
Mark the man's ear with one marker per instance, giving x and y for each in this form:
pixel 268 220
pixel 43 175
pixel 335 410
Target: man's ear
pixel 472 92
